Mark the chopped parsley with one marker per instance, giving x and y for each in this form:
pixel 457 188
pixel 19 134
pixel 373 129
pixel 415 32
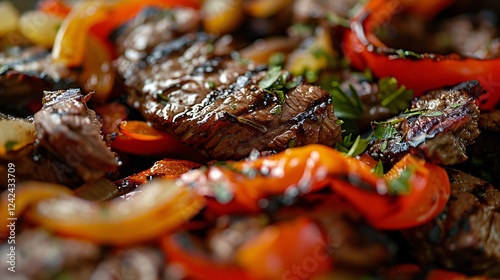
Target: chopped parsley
pixel 272 76
pixel 291 144
pixel 162 98
pixel 401 185
pixel 211 84
pixel 407 54
pixel 277 59
pixel 276 82
pixel 9 145
pixel 393 97
pixel 384 130
pixel 334 19
pixel 311 76
pixel 277 110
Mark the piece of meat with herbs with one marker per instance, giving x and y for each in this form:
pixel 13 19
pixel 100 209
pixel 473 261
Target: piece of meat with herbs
pixel 25 72
pixel 464 237
pixel 69 130
pixel 222 106
pixel 438 127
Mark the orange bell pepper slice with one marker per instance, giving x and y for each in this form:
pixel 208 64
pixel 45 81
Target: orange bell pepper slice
pixel 298 171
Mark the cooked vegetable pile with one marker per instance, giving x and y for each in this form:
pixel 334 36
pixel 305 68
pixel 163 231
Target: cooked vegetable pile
pixel 250 139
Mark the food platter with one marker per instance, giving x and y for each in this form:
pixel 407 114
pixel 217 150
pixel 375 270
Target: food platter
pixel 249 139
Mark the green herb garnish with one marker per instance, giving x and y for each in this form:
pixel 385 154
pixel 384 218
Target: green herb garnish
pixel 384 130
pixel 401 184
pixel 9 145
pixel 378 169
pixel 407 54
pixel 393 97
pixel 276 110
pixel 334 19
pixel 352 149
pixel 272 76
pixel 276 59
pixel 311 76
pixel 346 105
pixel 291 144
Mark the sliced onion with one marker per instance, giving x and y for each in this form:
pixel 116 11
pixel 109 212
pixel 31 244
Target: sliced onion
pixel 10 18
pixel 15 134
pixel 39 27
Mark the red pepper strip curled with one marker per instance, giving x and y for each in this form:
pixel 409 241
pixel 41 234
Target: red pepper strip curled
pixel 428 71
pixel 297 171
pixel 268 255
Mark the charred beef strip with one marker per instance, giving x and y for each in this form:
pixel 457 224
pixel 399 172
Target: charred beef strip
pixel 70 131
pixel 438 127
pixel 464 236
pixel 192 88
pixel 25 72
pixel 154 26
pixel 69 148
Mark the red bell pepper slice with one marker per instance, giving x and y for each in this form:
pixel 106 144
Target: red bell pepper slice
pixel 197 265
pixel 308 169
pixel 140 138
pixel 429 71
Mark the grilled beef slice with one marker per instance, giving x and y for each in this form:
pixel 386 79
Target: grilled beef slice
pixel 464 236
pixel 71 132
pixel 25 72
pixel 69 148
pixel 154 26
pixel 438 127
pixel 196 88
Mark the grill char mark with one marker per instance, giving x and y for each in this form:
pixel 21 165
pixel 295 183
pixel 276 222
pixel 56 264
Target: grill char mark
pixel 197 89
pixel 446 125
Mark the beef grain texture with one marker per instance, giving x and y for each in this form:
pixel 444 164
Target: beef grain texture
pixel 439 127
pixel 72 133
pixel 196 88
pixel 25 72
pixel 465 236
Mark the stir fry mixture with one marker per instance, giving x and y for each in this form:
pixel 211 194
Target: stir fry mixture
pixel 250 139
